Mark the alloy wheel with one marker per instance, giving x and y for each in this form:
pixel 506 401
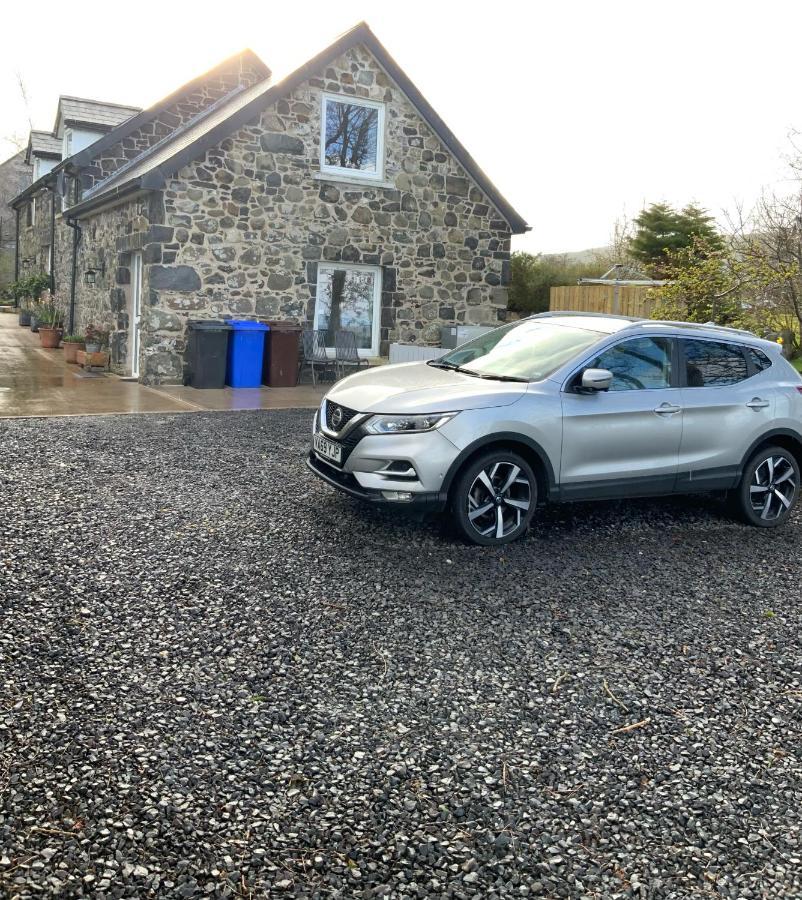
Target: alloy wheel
pixel 498 499
pixel 773 487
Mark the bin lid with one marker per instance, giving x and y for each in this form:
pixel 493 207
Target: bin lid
pixel 278 325
pixel 208 325
pixel 247 325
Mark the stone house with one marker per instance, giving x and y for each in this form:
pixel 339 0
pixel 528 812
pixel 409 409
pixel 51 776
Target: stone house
pixel 336 197
pixel 43 238
pixel 15 176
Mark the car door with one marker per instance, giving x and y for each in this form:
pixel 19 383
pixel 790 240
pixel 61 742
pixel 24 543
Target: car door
pixel 624 441
pixel 727 406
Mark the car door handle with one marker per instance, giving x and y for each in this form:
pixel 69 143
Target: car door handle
pixel 757 403
pixel 667 409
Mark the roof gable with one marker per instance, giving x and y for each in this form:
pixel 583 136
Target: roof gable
pixel 42 143
pixel 90 113
pixel 152 168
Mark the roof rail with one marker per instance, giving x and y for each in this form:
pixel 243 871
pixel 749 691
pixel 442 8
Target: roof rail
pixel 585 315
pixel 711 325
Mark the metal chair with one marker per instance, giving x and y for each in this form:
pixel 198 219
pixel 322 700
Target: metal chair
pixel 346 354
pixel 315 355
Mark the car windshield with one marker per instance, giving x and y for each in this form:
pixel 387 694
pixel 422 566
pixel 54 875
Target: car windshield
pixel 528 350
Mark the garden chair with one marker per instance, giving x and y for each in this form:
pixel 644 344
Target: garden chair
pixel 346 354
pixel 314 354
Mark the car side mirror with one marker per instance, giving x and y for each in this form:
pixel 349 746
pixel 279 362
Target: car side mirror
pixel 596 380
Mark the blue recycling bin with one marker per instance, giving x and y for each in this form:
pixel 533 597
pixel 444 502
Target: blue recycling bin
pixel 246 349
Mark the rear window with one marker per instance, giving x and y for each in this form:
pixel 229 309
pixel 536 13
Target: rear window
pixel 758 358
pixel 713 364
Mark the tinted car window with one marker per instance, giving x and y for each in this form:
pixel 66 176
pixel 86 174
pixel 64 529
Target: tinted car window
pixel 759 359
pixel 639 364
pixel 712 364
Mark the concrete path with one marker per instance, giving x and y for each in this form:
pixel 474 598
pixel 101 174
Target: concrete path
pixel 37 382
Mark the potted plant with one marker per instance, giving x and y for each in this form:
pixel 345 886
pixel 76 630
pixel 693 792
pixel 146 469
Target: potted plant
pixel 34 320
pixel 72 343
pixel 93 338
pixel 50 321
pixel 24 317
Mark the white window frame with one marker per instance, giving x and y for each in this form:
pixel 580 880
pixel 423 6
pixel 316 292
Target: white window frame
pixel 33 211
pixel 67 143
pixel 375 335
pixel 354 174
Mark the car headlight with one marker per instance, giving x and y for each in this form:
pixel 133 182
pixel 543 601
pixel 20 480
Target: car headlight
pixel 408 424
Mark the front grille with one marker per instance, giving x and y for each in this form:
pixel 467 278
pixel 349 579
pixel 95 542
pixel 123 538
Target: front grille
pixel 344 419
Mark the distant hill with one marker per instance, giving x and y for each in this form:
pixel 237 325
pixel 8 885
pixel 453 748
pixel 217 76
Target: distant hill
pixel 581 256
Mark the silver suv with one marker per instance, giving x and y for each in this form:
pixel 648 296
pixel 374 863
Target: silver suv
pixel 569 406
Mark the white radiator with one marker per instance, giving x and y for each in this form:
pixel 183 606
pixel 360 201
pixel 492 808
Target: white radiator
pixel 412 352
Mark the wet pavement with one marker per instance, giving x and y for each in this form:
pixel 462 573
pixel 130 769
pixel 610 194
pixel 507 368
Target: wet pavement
pixel 37 382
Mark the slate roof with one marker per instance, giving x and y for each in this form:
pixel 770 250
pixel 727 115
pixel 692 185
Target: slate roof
pixel 81 111
pixel 42 143
pixel 151 169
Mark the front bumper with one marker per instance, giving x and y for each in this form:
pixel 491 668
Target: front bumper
pixel 434 501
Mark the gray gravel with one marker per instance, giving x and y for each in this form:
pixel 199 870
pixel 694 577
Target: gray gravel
pixel 218 678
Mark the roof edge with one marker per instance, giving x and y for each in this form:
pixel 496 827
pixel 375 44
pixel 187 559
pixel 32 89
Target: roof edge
pixel 121 131
pixel 359 34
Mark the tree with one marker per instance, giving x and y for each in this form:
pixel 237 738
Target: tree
pixel 534 274
pixel 726 283
pixel 661 231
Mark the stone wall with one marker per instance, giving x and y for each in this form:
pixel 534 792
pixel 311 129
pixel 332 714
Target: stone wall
pixel 108 239
pixel 34 242
pixel 248 223
pixel 219 83
pixel 15 176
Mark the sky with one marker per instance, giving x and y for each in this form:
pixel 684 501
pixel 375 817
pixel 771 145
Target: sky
pixel 580 112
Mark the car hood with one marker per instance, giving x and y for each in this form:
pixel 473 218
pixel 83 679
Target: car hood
pixel 418 388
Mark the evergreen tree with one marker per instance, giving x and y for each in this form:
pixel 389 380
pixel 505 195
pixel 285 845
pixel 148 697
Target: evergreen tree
pixel 662 231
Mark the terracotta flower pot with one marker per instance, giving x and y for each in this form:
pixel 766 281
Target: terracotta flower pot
pixel 50 337
pixel 71 349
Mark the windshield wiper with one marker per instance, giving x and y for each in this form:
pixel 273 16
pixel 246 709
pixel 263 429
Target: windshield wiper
pixel 438 364
pixel 496 377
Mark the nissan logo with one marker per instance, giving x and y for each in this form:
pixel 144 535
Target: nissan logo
pixel 337 417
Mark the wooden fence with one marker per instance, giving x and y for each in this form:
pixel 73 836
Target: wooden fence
pixel 633 299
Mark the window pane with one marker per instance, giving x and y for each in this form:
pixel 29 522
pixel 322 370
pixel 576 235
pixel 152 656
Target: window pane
pixel 640 364
pixel 351 134
pixel 710 364
pixel 345 302
pixel 759 359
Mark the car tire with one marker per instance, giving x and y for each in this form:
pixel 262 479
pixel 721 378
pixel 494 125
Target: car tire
pixel 494 498
pixel 769 488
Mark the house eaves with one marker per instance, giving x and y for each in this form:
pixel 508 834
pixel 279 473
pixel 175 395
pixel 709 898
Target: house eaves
pixel 44 182
pixel 154 169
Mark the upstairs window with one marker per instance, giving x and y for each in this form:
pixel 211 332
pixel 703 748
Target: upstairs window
pixel 352 137
pixel 30 213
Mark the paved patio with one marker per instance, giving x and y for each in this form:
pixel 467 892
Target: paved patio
pixel 37 382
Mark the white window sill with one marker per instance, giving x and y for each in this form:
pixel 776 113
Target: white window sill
pixel 348 179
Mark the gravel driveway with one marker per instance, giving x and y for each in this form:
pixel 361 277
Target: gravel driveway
pixel 218 678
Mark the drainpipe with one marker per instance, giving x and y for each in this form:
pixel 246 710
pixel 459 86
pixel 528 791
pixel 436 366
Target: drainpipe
pixel 52 272
pixel 16 250
pixel 76 239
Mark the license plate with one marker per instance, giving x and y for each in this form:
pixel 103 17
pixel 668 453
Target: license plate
pixel 328 449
